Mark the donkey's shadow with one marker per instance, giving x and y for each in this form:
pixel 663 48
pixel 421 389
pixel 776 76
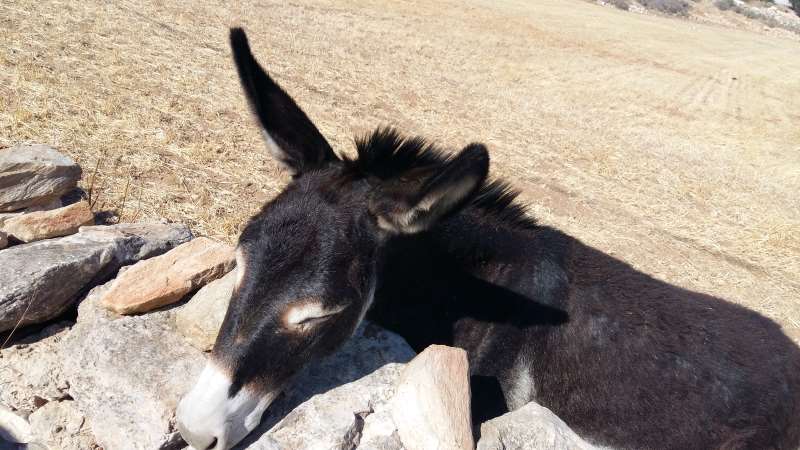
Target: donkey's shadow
pixel 368 350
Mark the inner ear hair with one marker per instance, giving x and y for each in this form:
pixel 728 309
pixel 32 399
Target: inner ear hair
pixel 422 205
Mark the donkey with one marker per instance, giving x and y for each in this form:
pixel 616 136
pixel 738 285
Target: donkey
pixel 420 242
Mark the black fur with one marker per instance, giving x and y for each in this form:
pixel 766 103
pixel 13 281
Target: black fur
pixel 304 147
pixel 627 360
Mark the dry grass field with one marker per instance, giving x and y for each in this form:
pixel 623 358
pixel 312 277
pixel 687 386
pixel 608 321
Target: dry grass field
pixel 670 144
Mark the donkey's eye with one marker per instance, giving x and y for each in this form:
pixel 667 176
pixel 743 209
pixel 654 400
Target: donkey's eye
pixel 308 314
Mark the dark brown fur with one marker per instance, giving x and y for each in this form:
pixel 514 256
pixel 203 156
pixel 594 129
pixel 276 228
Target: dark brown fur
pixel 627 360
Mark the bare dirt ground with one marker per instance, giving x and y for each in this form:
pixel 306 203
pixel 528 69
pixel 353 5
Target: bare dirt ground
pixel 671 144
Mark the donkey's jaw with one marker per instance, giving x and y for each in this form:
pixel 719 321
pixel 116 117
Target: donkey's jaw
pixel 209 419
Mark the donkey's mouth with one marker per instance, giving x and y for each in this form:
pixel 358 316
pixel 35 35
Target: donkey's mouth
pixel 209 418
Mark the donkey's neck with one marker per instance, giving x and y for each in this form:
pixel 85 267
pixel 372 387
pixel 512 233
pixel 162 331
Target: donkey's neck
pixel 528 261
pixel 471 269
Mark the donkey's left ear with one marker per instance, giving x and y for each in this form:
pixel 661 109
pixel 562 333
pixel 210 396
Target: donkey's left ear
pixel 421 205
pixel 291 136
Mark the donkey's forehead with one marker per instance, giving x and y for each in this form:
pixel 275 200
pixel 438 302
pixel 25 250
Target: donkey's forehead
pixel 313 203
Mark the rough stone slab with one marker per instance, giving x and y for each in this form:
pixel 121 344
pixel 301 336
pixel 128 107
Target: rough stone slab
pixel 432 405
pixel 40 280
pixel 40 225
pixel 127 374
pixel 59 425
pixel 34 174
pixel 30 370
pixel 199 320
pixel 532 427
pixel 329 403
pixel 168 278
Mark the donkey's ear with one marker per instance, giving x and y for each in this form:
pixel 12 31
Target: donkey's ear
pixel 290 135
pixel 418 206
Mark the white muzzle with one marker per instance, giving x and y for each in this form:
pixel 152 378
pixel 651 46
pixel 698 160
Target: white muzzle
pixel 208 419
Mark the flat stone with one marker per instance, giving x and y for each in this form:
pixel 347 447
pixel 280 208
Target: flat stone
pixel 40 225
pixel 40 280
pixel 127 374
pixel 53 204
pixel 330 403
pixel 34 174
pixel 432 404
pixel 166 279
pixel 532 427
pixel 199 320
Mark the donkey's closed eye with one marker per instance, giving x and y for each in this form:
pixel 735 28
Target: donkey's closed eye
pixel 307 314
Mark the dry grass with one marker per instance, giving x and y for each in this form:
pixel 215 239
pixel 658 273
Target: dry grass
pixel 670 144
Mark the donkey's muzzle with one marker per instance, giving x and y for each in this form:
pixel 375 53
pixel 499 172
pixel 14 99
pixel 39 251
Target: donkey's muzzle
pixel 210 419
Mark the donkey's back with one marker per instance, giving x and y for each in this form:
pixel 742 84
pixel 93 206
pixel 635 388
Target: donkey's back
pixel 656 366
pixel 625 359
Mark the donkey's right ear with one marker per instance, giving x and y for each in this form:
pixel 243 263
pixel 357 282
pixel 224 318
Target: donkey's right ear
pixel 290 135
pixel 417 206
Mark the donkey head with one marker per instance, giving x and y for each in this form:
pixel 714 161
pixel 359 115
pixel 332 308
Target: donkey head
pixel 308 262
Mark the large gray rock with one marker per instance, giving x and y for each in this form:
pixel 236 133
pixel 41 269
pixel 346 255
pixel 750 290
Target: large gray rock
pixel 34 174
pixel 329 405
pixel 40 280
pixel 200 318
pixel 127 374
pixel 532 427
pixel 33 386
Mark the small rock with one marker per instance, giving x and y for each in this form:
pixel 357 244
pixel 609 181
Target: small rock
pixel 49 224
pixel 432 405
pixel 13 428
pixel 34 174
pixel 40 280
pixel 127 374
pixel 532 427
pixel 3 240
pixel 200 319
pixel 166 279
pixel 332 401
pixel 38 401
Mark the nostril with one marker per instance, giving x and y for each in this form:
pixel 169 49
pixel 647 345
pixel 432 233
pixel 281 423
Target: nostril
pixel 212 445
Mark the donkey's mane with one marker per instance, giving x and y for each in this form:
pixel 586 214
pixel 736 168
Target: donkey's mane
pixel 387 154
